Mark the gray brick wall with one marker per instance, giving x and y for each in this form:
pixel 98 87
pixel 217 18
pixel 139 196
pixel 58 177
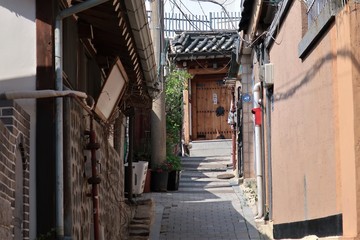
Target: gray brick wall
pixel 114 213
pixel 14 167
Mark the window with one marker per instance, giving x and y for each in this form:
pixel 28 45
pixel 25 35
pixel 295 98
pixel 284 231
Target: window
pixel 314 8
pixel 320 14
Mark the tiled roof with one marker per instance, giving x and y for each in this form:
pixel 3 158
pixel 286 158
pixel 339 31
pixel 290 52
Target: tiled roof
pixel 204 43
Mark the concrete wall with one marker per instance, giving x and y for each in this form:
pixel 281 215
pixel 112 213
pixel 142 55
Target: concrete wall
pixel 303 125
pixel 18 69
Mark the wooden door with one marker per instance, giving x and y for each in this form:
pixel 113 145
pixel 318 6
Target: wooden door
pixel 211 101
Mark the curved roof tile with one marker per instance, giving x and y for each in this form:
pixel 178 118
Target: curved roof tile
pixel 203 43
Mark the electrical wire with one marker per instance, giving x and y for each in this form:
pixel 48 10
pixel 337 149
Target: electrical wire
pixel 191 14
pixel 272 29
pixel 207 69
pixel 185 15
pixel 224 9
pixel 205 15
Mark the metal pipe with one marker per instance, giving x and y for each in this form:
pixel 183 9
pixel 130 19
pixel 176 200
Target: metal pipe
pixel 40 94
pixel 269 93
pixel 59 188
pixel 233 136
pixel 79 8
pixel 258 151
pixel 94 190
pixel 131 153
pixel 263 165
pixel 240 134
pixel 59 168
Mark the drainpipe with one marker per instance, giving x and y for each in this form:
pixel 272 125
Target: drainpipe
pixel 269 93
pixel 258 148
pixel 240 134
pixel 95 179
pixel 130 113
pixel 233 136
pixel 59 189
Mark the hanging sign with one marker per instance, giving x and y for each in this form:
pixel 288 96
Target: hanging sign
pixel 215 98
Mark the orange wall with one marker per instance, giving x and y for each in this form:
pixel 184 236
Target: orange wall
pixel 303 126
pixel 348 83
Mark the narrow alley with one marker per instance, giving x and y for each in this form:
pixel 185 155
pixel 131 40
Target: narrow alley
pixel 204 207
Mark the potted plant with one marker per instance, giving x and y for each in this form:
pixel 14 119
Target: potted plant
pixel 174 173
pixel 159 177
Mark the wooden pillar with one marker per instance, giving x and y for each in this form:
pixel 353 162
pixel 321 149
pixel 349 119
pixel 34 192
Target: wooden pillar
pixel 45 128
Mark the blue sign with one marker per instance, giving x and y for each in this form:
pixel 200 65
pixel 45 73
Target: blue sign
pixel 246 97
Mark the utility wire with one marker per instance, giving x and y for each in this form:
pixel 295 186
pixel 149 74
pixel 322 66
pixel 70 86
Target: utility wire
pixel 205 16
pixel 185 16
pixel 193 15
pixel 223 8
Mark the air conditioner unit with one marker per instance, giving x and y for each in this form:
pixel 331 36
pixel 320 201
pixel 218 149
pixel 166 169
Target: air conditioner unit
pixel 266 73
pixel 269 73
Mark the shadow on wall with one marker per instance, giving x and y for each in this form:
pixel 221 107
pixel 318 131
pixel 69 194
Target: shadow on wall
pixel 309 76
pixel 24 9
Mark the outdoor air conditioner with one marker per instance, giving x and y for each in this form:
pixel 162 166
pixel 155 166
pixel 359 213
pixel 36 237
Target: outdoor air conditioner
pixel 266 73
pixel 269 73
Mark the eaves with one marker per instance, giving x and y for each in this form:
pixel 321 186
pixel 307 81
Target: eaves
pixel 195 56
pixel 136 12
pixel 277 23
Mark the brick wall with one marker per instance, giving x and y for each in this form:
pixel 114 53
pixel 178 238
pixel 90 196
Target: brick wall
pixel 114 213
pixel 14 171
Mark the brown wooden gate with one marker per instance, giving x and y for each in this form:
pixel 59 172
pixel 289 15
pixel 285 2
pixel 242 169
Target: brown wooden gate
pixel 210 106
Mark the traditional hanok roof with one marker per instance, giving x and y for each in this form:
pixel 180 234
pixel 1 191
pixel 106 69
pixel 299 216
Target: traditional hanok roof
pixel 197 45
pixel 120 30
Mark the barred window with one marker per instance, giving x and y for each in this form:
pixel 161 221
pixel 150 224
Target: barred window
pixel 314 9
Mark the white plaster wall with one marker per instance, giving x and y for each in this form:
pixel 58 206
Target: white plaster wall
pixel 18 70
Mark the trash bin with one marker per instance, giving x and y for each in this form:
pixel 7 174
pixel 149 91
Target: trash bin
pixel 139 176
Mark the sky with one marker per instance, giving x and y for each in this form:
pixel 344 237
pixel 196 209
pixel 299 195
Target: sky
pixel 200 10
pixel 200 7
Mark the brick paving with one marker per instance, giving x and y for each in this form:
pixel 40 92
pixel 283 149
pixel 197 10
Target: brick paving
pixel 204 207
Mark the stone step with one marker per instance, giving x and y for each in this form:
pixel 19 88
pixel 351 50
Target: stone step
pixel 205 159
pixel 220 147
pixel 205 185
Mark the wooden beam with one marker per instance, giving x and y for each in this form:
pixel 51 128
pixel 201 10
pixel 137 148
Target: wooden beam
pixel 186 119
pixel 202 71
pixel 45 115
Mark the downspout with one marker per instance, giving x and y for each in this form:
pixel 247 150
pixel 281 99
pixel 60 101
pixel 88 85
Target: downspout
pixel 240 134
pixel 269 89
pixel 269 94
pixel 130 113
pixel 94 180
pixel 258 148
pixel 59 169
pixel 233 135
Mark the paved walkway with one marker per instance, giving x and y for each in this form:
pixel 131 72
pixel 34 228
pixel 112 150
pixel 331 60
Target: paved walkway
pixel 204 207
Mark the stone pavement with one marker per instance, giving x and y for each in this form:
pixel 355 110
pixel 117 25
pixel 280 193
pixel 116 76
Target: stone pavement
pixel 204 207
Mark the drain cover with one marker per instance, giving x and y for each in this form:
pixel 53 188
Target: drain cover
pixel 225 176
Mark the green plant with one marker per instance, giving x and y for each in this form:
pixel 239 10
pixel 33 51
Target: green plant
pixel 174 161
pixel 175 84
pixel 162 167
pixel 142 156
pixel 47 236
